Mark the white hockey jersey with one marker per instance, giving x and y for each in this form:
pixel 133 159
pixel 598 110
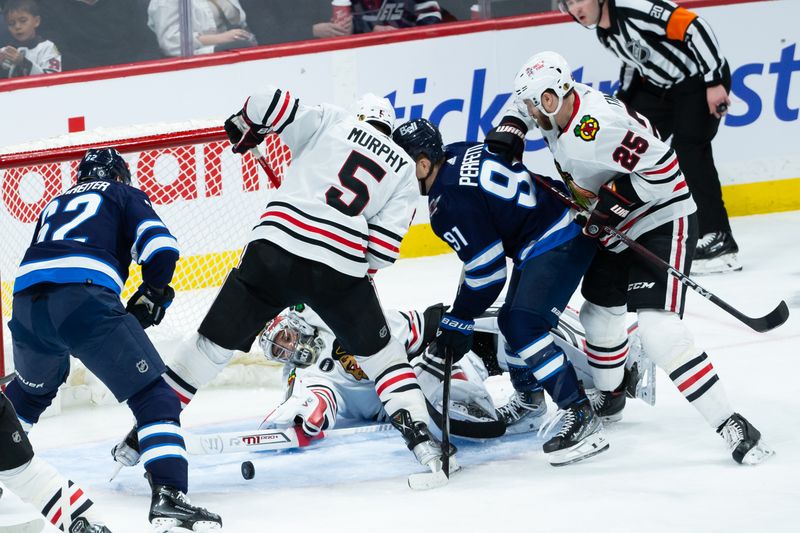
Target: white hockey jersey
pixel 350 390
pixel 605 141
pixel 41 57
pixel 348 196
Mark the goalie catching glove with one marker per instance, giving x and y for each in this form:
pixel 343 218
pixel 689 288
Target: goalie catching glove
pixel 243 136
pixel 149 304
pixel 611 209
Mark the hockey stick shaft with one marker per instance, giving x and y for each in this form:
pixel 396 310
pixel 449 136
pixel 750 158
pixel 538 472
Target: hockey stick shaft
pixel 448 374
pixel 258 156
pixel 266 440
pixel 5 380
pixel 771 320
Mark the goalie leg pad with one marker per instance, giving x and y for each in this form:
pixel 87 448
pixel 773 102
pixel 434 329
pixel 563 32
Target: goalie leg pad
pixel 606 343
pixel 197 362
pixel 669 343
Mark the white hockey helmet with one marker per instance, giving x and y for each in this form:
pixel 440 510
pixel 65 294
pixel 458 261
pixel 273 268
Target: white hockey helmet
pixel 372 108
pixel 289 339
pixel 544 71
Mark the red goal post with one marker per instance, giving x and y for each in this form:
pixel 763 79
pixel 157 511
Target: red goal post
pixel 208 196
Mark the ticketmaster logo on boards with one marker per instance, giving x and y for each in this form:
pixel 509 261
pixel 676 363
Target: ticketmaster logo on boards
pixel 753 97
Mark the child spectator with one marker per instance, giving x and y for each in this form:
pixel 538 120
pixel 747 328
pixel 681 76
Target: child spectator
pixel 28 53
pixel 382 15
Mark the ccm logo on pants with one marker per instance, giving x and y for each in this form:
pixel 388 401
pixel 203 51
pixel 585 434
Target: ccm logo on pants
pixel 641 285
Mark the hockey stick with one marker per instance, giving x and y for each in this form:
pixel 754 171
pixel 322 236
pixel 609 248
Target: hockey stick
pixel 770 321
pixel 5 380
pixel 267 439
pixel 448 374
pixel 258 156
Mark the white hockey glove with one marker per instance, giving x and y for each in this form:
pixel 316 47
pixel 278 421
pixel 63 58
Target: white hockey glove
pixel 313 409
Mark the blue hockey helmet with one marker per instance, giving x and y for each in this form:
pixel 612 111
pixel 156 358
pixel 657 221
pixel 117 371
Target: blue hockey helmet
pixel 103 164
pixel 420 137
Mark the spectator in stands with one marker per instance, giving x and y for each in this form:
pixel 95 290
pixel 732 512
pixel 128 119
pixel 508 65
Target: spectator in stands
pixel 93 33
pixel 382 15
pixel 217 25
pixel 28 53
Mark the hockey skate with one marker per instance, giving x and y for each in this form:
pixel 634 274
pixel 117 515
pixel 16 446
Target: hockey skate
pixel 581 435
pixel 170 508
pixel 608 405
pixel 524 412
pixel 426 449
pixel 82 525
pixel 716 253
pixel 744 440
pixel 640 378
pixel 126 452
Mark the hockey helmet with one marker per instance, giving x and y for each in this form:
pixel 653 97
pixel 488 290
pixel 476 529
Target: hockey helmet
pixel 372 108
pixel 420 137
pixel 289 339
pixel 544 71
pixel 103 164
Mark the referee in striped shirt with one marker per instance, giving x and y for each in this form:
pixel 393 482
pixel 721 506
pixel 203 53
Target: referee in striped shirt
pixel 673 72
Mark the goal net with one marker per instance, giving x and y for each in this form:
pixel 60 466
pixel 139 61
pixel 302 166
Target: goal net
pixel 207 196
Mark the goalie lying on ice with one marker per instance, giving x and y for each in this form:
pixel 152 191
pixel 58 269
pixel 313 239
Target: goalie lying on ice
pixel 324 384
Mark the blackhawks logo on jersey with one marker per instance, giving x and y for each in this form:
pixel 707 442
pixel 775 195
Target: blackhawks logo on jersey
pixel 588 128
pixel 348 362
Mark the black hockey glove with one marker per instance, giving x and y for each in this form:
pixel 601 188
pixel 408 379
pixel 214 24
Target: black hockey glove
pixel 246 137
pixel 454 334
pixel 507 139
pixel 149 304
pixel 610 210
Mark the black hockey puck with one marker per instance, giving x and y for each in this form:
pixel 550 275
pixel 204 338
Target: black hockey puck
pixel 248 470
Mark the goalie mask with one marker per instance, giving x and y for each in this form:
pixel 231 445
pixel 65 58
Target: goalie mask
pixel 288 339
pixel 377 110
pixel 544 71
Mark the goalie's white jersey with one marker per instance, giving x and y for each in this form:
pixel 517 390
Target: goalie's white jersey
pixel 606 141
pixel 349 194
pixel 351 392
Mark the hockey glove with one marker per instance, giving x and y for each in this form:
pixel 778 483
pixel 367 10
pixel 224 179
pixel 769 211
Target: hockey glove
pixel 454 334
pixel 507 140
pixel 313 409
pixel 244 137
pixel 610 210
pixel 149 304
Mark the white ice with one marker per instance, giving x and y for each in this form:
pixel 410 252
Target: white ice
pixel 666 469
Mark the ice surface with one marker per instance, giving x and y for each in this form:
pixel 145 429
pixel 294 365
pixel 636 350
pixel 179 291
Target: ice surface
pixel 666 469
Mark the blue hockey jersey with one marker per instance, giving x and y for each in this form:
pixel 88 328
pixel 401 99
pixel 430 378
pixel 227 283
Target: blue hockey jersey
pixel 90 233
pixel 487 210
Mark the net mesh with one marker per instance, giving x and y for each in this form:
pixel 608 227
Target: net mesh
pixel 207 196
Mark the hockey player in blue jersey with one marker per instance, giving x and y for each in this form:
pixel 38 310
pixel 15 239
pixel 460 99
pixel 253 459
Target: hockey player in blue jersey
pixel 488 211
pixel 66 301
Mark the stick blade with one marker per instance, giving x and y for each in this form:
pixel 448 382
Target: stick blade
pixel 772 320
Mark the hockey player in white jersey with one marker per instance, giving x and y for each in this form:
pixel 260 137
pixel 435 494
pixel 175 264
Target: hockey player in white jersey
pixel 345 204
pixel 334 388
pixel 616 165
pixel 324 384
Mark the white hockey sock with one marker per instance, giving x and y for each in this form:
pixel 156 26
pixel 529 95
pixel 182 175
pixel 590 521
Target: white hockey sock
pixel 698 382
pixel 395 381
pixel 197 362
pixel 606 344
pixel 667 341
pixel 60 500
